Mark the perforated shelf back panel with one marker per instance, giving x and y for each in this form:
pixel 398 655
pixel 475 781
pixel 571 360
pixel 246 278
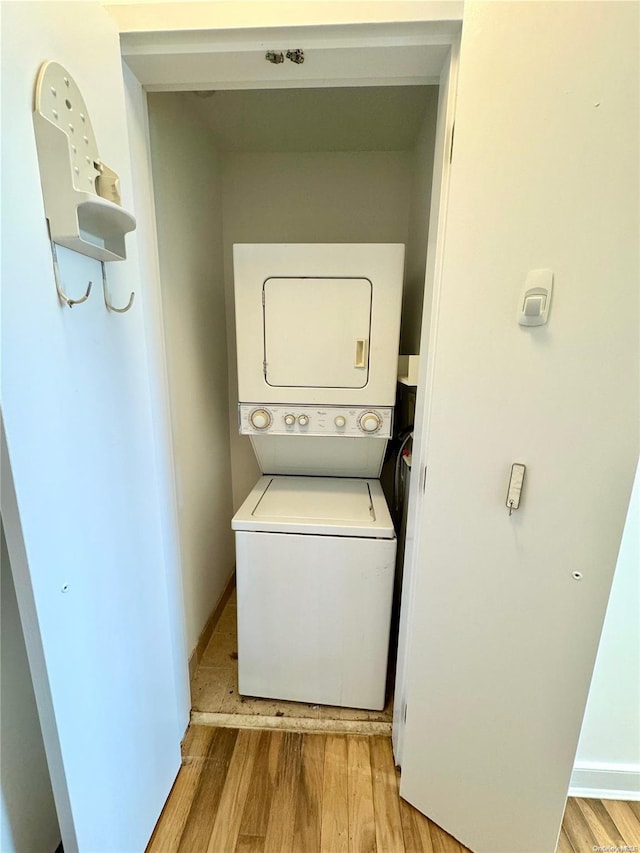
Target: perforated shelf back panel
pixel 81 194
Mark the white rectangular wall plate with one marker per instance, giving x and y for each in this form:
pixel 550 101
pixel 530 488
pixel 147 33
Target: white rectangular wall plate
pixel 516 481
pixel 535 298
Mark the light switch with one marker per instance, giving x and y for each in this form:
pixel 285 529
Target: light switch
pixel 535 298
pixel 534 305
pixel 515 486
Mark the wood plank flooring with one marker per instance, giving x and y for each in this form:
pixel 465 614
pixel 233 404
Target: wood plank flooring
pixel 252 791
pixel 595 824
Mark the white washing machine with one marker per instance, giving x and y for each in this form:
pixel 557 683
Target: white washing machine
pixel 316 560
pixel 317 334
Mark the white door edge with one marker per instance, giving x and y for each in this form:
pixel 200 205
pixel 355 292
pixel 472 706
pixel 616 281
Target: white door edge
pixel 10 513
pixel 437 220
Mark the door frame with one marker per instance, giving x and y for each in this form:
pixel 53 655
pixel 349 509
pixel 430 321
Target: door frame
pixel 142 52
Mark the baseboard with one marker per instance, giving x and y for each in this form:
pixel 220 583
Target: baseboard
pixel 596 780
pixel 212 621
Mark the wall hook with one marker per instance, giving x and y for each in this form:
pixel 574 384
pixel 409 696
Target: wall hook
pixel 105 291
pixel 62 296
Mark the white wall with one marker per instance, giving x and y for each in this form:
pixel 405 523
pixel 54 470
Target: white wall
pixel 82 511
pixel 132 15
pixel 310 197
pixel 417 294
pixel 186 173
pixel 28 818
pixel 608 756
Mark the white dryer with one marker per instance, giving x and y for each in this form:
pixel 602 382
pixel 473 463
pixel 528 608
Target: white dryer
pixel 318 323
pixel 317 330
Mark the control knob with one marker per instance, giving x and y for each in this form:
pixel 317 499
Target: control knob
pixel 260 419
pixel 340 421
pixel 303 420
pixel 289 419
pixel 369 422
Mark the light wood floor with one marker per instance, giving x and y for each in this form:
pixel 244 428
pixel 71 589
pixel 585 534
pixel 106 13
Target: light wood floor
pixel 256 791
pixel 592 824
pixel 214 689
pixel 260 790
pixel 252 791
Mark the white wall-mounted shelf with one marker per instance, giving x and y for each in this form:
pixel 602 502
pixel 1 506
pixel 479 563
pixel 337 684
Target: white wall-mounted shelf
pixel 81 194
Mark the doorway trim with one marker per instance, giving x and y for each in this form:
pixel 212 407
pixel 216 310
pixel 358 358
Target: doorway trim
pixel 431 49
pixel 391 54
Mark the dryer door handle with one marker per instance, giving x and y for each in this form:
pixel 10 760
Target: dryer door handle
pixel 361 352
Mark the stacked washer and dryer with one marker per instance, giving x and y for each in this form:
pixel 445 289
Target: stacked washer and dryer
pixel 318 328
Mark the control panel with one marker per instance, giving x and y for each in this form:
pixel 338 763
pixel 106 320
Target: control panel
pixel 294 419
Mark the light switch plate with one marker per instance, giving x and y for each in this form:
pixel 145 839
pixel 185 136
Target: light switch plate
pixel 535 298
pixel 516 481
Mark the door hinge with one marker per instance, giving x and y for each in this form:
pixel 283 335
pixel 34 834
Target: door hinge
pixel 404 714
pixel 453 130
pixel 424 479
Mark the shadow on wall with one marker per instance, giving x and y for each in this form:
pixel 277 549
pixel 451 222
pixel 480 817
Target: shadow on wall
pixel 28 818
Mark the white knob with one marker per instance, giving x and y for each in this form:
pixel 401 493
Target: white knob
pixel 369 422
pixel 260 418
pixel 289 420
pixel 340 421
pixel 303 420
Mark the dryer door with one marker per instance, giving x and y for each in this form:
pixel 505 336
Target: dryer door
pixel 316 332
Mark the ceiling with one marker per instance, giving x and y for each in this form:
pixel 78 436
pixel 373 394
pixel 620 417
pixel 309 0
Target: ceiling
pixel 375 118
